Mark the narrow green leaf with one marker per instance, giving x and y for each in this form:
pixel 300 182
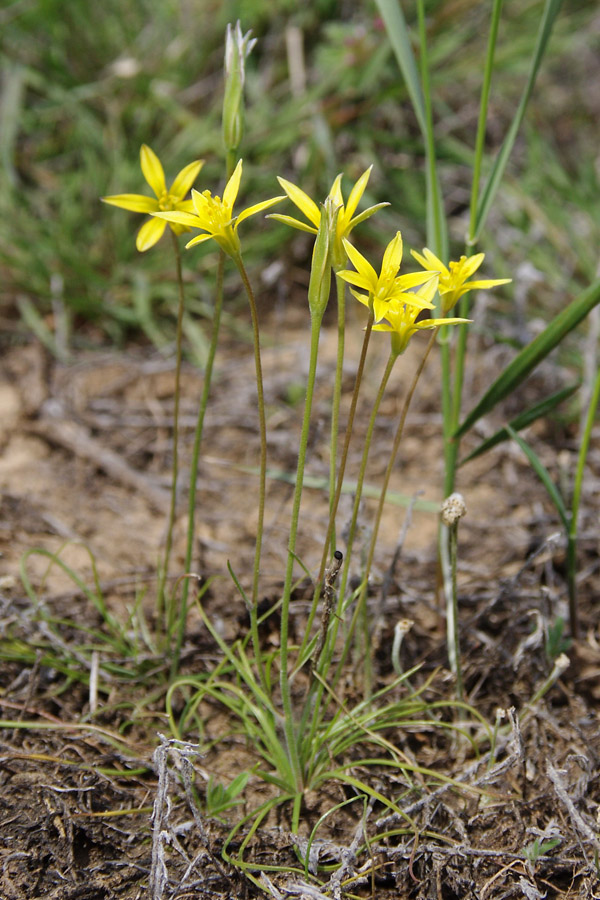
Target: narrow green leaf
pixel 544 476
pixel 417 85
pixel 549 14
pixel 516 372
pixel 399 35
pixel 536 412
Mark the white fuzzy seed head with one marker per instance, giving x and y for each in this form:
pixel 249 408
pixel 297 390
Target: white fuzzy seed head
pixel 453 509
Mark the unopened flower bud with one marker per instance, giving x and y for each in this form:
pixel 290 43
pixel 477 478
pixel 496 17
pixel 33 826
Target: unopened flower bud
pixel 237 48
pixel 320 271
pixel 453 509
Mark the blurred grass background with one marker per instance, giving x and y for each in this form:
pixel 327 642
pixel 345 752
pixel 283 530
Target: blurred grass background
pixel 83 85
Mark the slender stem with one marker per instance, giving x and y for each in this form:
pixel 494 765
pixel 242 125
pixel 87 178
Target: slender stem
pixel 337 393
pixel 482 121
pixel 452 634
pixel 262 427
pixel 287 588
pixel 447 418
pixel 451 410
pixel 340 482
pixel 384 488
pixel 330 641
pixel 191 528
pixel 162 605
pixel 436 226
pixel 577 488
pixel 358 495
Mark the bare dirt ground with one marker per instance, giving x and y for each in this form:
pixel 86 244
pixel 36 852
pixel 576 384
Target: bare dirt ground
pixel 84 467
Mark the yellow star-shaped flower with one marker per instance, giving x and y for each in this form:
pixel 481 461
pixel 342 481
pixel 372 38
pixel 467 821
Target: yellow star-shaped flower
pixel 214 215
pixel 454 281
pixel 400 318
pixel 346 220
pixel 171 199
pixel 388 286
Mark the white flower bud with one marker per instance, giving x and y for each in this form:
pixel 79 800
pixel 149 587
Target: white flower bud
pixel 453 509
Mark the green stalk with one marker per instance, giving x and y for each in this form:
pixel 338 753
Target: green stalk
pixel 362 472
pixel 572 534
pixel 447 417
pixel 216 324
pixel 451 409
pixel 262 426
pixel 482 121
pixel 437 237
pixel 384 488
pixel 337 393
pixel 161 605
pixel 358 495
pixel 286 700
pixel 328 649
pixel 340 482
pixel 453 509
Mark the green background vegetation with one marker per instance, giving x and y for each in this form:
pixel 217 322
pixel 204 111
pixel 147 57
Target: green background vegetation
pixel 85 84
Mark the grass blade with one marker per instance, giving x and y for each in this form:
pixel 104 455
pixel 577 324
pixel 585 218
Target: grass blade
pixel 551 10
pixel 399 36
pixel 544 476
pixel 522 421
pixel 516 372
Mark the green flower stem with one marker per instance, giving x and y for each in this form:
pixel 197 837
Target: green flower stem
pixel 337 393
pixel 358 495
pixel 577 487
pixel 452 632
pixel 384 488
pixel 340 482
pixel 161 605
pixel 212 350
pixel 447 417
pixel 262 426
pixel 290 734
pixel 323 664
pixel 231 159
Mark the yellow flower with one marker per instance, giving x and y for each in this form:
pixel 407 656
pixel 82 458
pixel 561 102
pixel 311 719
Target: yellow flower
pixel 400 318
pixel 454 277
pixel 388 286
pixel 346 219
pixel 215 215
pixel 152 230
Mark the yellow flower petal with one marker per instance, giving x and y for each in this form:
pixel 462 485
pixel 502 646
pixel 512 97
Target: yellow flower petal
pixel 295 223
pixel 233 185
pixel 149 234
pixel 488 283
pixel 181 218
pixel 336 191
pixel 366 214
pixel 430 261
pixel 392 258
pixel 132 202
pixel 356 278
pixel 361 264
pixel 198 240
pixel 357 192
pixel 153 170
pixel 469 266
pixel 185 179
pixel 302 201
pixel 258 207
